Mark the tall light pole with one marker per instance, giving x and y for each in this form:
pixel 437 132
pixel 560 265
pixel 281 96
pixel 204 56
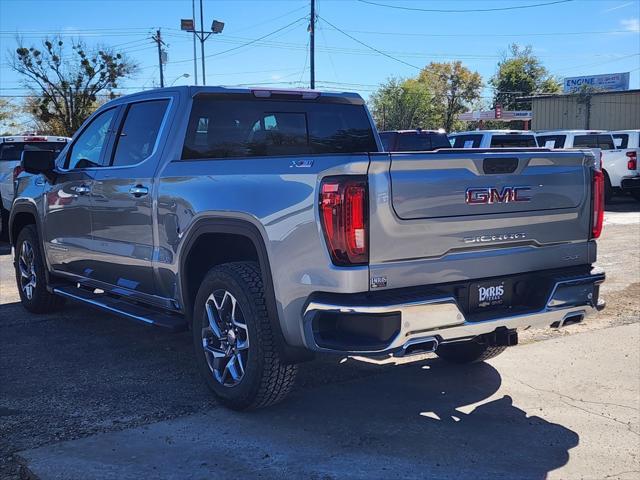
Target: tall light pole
pixel 195 59
pixel 189 25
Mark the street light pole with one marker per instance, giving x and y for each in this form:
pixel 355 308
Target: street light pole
pixel 202 39
pixel 195 54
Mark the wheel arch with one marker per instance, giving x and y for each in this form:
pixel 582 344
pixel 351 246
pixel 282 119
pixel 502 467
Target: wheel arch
pixel 246 234
pixel 23 214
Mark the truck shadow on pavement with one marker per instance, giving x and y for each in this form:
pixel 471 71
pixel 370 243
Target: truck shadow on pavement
pixel 76 373
pixel 622 204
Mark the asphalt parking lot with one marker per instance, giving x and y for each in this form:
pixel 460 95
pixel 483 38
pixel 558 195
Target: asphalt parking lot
pixel 87 395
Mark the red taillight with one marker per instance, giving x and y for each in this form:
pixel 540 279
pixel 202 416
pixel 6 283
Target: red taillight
pixel 598 204
pixel 17 170
pixel 344 217
pixel 632 163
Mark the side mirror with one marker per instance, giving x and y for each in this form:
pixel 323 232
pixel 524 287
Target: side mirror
pixel 38 161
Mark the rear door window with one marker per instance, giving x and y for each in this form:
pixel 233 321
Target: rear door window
pixel 507 141
pixel 551 141
pixel 466 141
pixel 413 142
pixel 621 140
pixel 439 140
pixel 137 136
pixel 586 141
pixel 243 126
pixel 606 142
pixel 13 151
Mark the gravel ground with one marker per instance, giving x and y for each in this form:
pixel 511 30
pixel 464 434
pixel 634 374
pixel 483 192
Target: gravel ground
pixel 76 373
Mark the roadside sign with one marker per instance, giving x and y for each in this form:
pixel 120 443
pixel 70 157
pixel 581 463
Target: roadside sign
pixel 497 114
pixel 608 82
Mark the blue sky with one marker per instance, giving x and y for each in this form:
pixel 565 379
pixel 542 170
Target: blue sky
pixel 571 37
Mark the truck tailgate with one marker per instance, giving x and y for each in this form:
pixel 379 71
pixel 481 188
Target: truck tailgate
pixel 450 216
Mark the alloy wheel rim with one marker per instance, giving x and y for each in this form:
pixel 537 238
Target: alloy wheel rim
pixel 225 338
pixel 26 264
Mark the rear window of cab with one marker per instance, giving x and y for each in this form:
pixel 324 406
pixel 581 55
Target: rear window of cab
pixel 226 127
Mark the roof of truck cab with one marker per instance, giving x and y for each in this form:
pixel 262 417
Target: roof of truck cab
pixel 575 132
pixel 483 132
pixel 414 131
pixel 263 92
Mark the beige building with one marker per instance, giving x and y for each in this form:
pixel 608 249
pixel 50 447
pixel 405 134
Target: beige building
pixel 598 111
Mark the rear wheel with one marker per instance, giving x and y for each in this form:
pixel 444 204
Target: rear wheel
pixel 468 352
pixel 234 340
pixel 30 274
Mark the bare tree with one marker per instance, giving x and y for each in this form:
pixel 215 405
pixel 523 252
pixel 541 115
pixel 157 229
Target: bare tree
pixel 66 84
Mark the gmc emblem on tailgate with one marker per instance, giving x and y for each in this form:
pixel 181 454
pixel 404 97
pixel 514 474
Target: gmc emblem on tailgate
pixel 489 195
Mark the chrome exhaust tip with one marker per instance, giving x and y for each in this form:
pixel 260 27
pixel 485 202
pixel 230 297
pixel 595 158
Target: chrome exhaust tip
pixel 417 346
pixel 570 319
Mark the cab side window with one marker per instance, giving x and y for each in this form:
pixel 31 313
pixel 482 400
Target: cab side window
pixel 137 137
pixel 87 150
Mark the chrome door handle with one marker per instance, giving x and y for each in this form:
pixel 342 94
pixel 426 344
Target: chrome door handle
pixel 138 191
pixel 81 189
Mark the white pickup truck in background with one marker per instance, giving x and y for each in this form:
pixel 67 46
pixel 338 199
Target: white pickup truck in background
pixel 493 139
pixel 11 148
pixel 628 141
pixel 615 163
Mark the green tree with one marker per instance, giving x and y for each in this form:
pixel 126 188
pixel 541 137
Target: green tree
pixel 401 104
pixel 454 88
pixel 520 73
pixel 67 83
pixel 9 113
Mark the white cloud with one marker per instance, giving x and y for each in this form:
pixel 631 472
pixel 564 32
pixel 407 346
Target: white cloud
pixel 631 24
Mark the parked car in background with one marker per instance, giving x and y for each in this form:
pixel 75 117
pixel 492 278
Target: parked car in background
pixel 493 139
pixel 614 161
pixel 11 149
pixel 414 140
pixel 629 142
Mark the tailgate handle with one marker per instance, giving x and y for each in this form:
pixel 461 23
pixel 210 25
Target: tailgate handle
pixel 499 165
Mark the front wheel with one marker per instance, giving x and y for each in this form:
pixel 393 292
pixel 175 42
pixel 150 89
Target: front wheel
pixel 30 274
pixel 234 340
pixel 468 352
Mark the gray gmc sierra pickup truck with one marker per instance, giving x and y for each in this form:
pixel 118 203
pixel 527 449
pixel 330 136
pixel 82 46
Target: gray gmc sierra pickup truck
pixel 272 225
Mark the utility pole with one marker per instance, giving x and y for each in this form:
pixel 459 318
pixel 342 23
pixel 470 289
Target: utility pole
pixel 312 46
pixel 195 55
pixel 158 39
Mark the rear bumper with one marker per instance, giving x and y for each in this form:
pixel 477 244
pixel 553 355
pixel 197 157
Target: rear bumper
pixel 391 322
pixel 632 183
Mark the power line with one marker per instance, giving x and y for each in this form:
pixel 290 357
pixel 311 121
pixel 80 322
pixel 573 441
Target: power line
pixel 366 45
pixel 484 34
pixel 465 10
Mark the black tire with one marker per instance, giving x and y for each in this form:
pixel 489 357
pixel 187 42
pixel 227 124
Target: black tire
pixel 468 352
pixel 608 189
pixel 4 228
pixel 265 379
pixel 41 301
pixel 635 194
